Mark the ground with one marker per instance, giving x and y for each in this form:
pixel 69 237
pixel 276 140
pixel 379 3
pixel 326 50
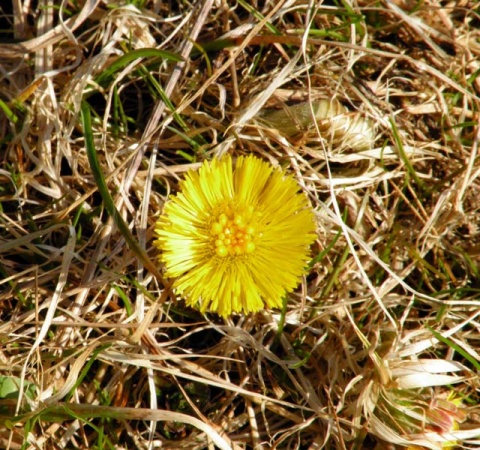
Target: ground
pixel 372 107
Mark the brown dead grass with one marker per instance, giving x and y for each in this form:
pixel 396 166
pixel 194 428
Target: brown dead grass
pixel 381 335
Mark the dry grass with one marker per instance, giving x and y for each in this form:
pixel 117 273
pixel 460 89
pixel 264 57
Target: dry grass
pixel 377 347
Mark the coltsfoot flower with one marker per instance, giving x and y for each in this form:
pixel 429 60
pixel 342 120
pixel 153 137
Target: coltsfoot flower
pixel 235 239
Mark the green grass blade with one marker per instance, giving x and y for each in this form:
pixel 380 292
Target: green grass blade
pixel 123 60
pixel 455 347
pixel 8 112
pixel 403 156
pixel 107 198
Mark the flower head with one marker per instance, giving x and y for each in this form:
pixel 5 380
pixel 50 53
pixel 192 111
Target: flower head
pixel 235 239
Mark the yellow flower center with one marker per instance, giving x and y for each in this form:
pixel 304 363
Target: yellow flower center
pixel 233 235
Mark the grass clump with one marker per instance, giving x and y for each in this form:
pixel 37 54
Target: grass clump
pixel 371 107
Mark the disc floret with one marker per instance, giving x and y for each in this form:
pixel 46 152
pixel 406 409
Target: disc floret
pixel 233 235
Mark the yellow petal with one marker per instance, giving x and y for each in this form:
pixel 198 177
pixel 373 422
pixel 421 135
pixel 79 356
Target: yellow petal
pixel 236 239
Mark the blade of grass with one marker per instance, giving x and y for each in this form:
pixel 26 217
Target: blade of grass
pixel 84 372
pixel 455 347
pixel 107 198
pixel 8 112
pixel 123 60
pixel 281 323
pixel 404 157
pixel 66 411
pixel 259 16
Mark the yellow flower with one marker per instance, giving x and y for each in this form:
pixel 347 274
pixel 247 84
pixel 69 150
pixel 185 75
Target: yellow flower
pixel 235 240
